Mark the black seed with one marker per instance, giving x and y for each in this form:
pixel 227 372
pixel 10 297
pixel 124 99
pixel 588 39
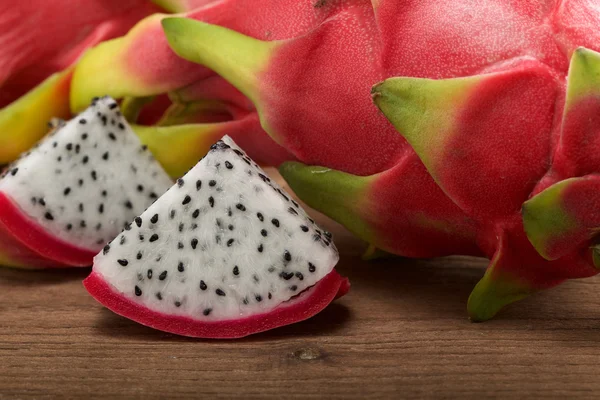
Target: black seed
pixel 203 285
pixel 180 267
pixel 172 214
pixel 54 144
pixel 293 211
pixel 311 220
pixel 304 228
pixel 212 183
pixel 69 146
pixel 299 276
pixel 153 195
pixel 162 276
pixel 83 136
pixel 240 207
pixel 271 269
pixel 275 222
pixel 94 175
pixel 198 184
pixel 123 240
pixel 328 235
pixel 82 224
pixel 98 226
pixel 121 126
pixel 236 270
pixel 230 242
pixel 123 262
pixel 230 227
pixel 112 106
pixel 260 217
pixel 138 291
pixel 287 256
pixel 154 218
pixel 286 275
pixel 270 296
pixel 180 182
pixel 195 213
pixel 258 298
pixel 153 238
pixel 144 147
pixel 211 201
pixel 80 207
pixel 112 136
pixel 239 153
pixel 140 188
pixel 316 237
pixel 149 273
pixel 255 277
pixel 42 202
pixel 263 232
pixel 245 301
pixel 207 311
pixel 186 200
pixel 295 204
pixel 194 243
pixel 181 226
pixel 49 216
pixel 105 156
pixel 180 245
pixel 293 288
pixel 141 237
pixel 158 295
pixel 101 208
pixel 128 205
pixel 82 121
pixel 106 249
pixel 220 292
pixel 228 165
pixel 67 191
pixel 177 303
pixel 311 267
pixel 138 222
pixel 139 257
pixel 260 248
pixel 85 159
pixel 127 227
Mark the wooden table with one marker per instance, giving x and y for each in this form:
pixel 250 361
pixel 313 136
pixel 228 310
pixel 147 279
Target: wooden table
pixel 401 332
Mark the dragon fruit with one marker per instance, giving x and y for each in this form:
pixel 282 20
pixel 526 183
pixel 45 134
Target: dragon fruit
pixel 496 151
pixel 64 200
pixel 224 253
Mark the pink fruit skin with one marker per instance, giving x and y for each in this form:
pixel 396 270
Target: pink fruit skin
pixel 299 308
pixel 38 37
pixel 24 243
pixel 149 59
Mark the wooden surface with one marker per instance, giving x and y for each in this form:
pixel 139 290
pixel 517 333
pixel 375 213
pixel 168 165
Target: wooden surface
pixel 401 332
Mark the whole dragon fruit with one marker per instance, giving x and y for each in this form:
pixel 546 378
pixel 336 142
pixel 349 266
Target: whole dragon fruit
pixel 498 108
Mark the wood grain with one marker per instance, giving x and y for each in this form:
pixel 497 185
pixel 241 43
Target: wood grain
pixel 402 332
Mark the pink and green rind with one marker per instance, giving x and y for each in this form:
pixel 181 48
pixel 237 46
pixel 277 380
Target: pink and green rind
pixel 564 216
pixel 32 245
pixel 299 308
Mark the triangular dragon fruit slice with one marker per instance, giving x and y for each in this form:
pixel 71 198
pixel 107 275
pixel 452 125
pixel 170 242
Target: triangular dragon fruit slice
pixel 63 201
pixel 225 253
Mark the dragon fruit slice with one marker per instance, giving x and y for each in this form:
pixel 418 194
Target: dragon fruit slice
pixel 224 253
pixel 63 201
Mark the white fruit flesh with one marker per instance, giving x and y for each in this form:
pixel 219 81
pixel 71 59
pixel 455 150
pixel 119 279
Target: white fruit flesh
pixel 89 178
pixel 225 242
